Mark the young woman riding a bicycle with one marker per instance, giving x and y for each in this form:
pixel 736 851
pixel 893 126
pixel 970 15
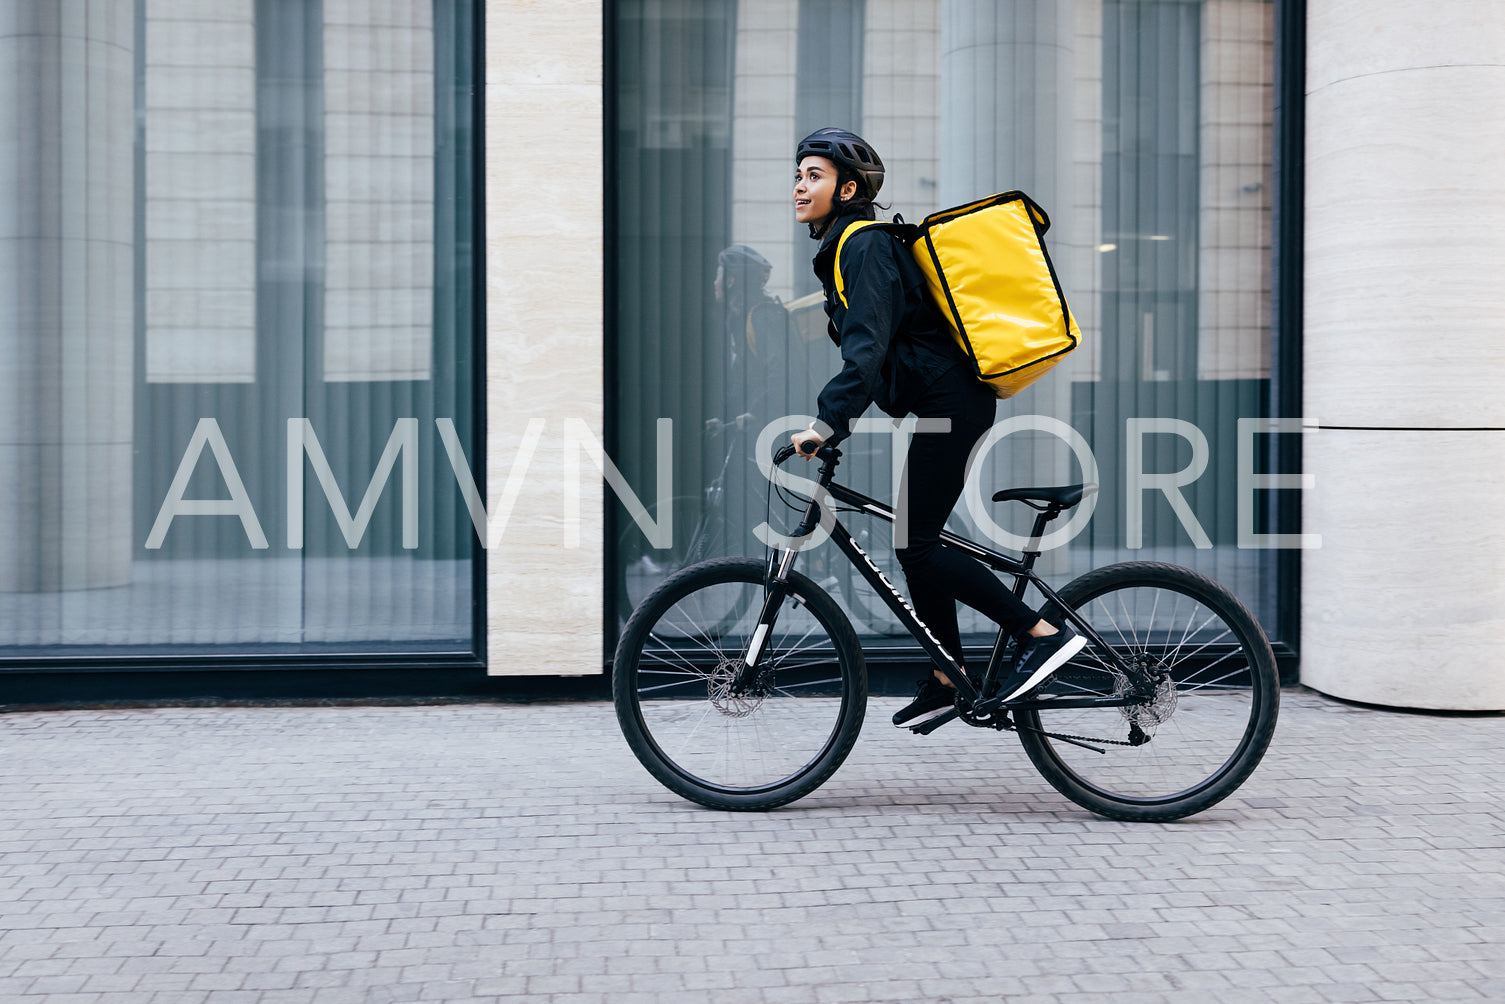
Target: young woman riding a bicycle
pixel 1140 690
pixel 897 352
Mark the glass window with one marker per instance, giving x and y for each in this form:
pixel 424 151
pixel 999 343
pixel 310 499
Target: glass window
pixel 1142 126
pixel 245 330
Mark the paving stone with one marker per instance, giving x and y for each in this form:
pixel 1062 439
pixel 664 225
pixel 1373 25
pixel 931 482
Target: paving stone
pixel 361 855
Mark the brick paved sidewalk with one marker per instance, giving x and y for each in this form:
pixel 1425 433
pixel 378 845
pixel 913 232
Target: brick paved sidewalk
pixel 518 852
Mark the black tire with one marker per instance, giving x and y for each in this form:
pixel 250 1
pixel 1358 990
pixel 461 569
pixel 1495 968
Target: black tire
pixel 777 743
pixel 1209 695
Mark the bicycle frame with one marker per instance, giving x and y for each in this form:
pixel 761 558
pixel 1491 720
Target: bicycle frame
pixel 969 696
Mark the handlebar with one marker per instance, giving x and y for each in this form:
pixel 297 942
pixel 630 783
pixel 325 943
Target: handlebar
pixel 826 453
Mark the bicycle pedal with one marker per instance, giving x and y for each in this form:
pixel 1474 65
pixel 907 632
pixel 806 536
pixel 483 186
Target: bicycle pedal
pixel 1035 693
pixel 925 728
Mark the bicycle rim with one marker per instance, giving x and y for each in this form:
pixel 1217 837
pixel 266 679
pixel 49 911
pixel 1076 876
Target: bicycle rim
pixel 672 685
pixel 1202 681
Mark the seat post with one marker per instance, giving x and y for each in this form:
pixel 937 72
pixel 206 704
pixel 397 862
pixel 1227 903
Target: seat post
pixel 1032 550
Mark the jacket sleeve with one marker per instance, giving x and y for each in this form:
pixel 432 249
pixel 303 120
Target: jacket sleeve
pixel 875 294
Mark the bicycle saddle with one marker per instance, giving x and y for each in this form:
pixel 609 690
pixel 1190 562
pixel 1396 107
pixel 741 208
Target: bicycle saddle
pixel 1063 497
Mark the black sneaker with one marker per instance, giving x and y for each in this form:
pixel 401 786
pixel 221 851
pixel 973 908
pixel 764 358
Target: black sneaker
pixel 1037 659
pixel 932 699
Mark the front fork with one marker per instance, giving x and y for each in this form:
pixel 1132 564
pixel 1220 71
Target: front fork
pixel 775 589
pixel 776 582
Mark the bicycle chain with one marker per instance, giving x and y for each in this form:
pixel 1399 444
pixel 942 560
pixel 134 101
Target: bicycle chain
pixel 1088 739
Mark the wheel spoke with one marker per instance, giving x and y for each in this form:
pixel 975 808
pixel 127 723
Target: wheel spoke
pixel 1108 612
pixel 1212 683
pixel 678 657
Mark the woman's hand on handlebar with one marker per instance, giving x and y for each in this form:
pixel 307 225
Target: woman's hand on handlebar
pixel 806 443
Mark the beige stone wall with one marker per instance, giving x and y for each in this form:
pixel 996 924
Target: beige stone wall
pixel 200 192
pixel 1076 246
pixel 1233 269
pixel 763 137
pixel 544 310
pixel 379 190
pixel 1404 603
pixel 901 98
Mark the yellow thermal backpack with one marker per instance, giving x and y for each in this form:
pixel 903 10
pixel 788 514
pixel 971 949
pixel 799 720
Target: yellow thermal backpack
pixel 990 275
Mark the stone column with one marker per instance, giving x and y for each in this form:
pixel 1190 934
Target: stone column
pixel 1404 603
pixel 544 338
pixel 67 104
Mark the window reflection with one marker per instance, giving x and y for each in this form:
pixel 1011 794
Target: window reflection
pixel 232 216
pixel 1143 126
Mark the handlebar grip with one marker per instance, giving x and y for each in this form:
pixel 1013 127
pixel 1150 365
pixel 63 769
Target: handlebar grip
pixel 808 448
pixel 786 451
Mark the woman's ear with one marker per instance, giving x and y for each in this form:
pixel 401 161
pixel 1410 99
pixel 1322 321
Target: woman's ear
pixel 848 191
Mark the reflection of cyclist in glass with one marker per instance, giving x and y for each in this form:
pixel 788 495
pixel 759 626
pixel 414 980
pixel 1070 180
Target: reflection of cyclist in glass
pixel 757 338
pixel 755 334
pixel 896 351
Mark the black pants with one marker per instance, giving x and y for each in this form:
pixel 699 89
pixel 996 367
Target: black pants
pixel 934 473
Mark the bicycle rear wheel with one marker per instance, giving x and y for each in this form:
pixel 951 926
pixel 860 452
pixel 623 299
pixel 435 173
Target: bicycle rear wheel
pixel 1204 687
pixel 778 741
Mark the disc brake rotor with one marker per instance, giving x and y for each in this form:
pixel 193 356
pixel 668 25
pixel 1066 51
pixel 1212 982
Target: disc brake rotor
pixel 719 688
pixel 1155 696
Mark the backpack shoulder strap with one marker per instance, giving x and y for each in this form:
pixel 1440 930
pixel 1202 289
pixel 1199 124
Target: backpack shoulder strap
pixel 899 230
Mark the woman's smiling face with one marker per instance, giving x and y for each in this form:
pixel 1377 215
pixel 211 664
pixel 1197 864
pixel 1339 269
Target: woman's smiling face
pixel 814 189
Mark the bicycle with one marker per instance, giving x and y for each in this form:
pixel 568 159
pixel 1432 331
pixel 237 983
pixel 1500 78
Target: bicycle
pixel 641 568
pixel 1165 712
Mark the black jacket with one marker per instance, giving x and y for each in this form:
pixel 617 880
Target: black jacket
pixel 892 339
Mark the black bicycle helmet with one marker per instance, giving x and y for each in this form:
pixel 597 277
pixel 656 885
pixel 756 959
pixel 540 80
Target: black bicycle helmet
pixel 746 266
pixel 745 257
pixel 846 149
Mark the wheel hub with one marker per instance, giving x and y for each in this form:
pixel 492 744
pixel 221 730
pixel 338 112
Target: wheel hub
pixel 1153 691
pixel 720 691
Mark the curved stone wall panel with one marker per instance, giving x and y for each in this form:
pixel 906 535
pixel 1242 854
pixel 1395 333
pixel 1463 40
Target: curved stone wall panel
pixel 1404 603
pixel 1405 269
pixel 1404 301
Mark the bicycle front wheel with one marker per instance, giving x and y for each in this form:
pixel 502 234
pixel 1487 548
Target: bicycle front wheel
pixel 773 743
pixel 1202 685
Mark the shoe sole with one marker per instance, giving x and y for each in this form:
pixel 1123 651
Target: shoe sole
pixel 1060 658
pixel 921 719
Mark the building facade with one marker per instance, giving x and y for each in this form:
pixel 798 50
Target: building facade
pixel 395 336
